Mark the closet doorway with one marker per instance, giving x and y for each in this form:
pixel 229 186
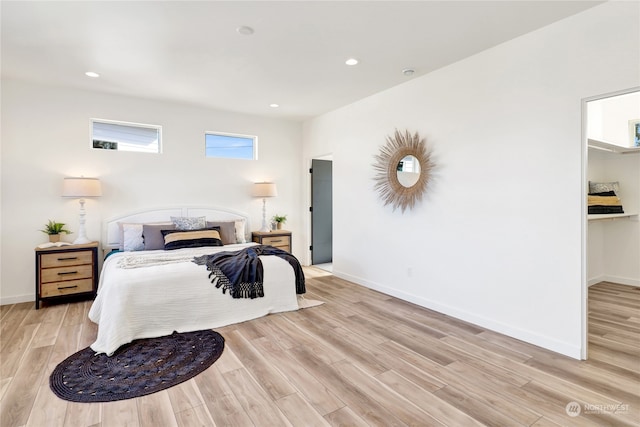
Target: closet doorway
pixel 611 172
pixel 322 213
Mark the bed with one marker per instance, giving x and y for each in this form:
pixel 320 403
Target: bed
pixel 154 292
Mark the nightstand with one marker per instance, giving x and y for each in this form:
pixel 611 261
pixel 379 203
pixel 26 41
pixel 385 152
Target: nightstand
pixel 66 271
pixel 279 238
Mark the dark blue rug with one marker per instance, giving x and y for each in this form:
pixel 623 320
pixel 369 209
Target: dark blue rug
pixel 142 367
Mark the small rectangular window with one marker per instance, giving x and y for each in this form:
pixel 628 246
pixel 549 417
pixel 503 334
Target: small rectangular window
pixel 123 136
pixel 231 146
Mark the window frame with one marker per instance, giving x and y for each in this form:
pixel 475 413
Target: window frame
pixel 158 128
pixel 254 138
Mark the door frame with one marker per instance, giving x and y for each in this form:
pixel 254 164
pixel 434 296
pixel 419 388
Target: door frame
pixel 584 321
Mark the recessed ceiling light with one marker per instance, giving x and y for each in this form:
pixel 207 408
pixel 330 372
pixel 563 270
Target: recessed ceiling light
pixel 244 30
pixel 408 71
pixel 92 74
pixel 274 105
pixel 351 61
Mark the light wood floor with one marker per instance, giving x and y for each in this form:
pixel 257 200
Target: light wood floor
pixel 362 358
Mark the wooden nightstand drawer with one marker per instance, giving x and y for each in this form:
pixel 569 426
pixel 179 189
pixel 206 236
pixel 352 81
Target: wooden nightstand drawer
pixel 66 258
pixel 71 272
pixel 277 241
pixel 66 288
pixel 280 239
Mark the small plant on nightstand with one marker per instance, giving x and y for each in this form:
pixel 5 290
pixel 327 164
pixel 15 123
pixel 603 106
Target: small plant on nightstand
pixel 54 229
pixel 279 220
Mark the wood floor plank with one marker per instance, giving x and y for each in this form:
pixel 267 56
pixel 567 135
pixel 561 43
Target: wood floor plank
pixel 348 347
pixel 155 410
pixel 11 321
pixel 318 396
pixel 299 412
pixel 88 334
pixel 83 414
pixel 350 394
pixel 224 407
pixel 493 390
pixel 12 354
pixel 123 413
pixel 228 361
pixel 256 402
pixel 185 396
pixel 4 384
pixel 560 400
pixel 195 417
pixel 47 411
pixel 475 408
pixel 274 383
pixel 75 314
pixel 399 406
pixel 439 409
pixel 345 417
pixel 20 396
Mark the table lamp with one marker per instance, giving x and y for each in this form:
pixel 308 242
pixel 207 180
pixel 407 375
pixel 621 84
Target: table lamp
pixel 264 190
pixel 81 188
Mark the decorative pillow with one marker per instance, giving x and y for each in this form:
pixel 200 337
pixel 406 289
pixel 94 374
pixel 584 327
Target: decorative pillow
pixel 178 239
pixel 227 231
pixel 601 187
pixel 189 223
pixel 152 235
pixel 240 232
pixel 130 237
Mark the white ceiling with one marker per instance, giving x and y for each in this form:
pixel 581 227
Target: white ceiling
pixel 190 51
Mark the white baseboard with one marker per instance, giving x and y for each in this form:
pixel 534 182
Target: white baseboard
pixel 17 299
pixel 518 333
pixel 595 280
pixel 614 279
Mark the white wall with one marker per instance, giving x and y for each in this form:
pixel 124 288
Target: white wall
pixel 45 137
pixel 609 118
pixel 497 240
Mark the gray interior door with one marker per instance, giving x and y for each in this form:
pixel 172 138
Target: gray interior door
pixel 321 212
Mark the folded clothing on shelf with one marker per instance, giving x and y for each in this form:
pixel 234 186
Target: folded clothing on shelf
pixel 605 202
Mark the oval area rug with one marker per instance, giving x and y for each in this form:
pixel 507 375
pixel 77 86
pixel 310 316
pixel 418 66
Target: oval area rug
pixel 136 369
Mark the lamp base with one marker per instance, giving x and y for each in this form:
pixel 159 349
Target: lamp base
pixel 81 241
pixel 265 227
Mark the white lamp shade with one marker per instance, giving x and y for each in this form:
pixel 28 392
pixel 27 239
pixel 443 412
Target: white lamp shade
pixel 81 187
pixel 264 189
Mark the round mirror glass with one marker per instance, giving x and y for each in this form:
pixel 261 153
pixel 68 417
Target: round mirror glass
pixel 408 171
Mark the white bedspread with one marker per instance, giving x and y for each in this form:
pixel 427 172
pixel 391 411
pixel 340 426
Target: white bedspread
pixel 156 300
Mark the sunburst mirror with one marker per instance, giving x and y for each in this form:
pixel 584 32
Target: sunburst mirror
pixel 403 168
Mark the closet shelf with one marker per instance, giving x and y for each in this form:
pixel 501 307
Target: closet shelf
pixel 596 217
pixel 612 148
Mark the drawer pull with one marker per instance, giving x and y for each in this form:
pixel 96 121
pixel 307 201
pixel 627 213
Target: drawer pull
pixel 71 258
pixel 67 287
pixel 276 241
pixel 67 272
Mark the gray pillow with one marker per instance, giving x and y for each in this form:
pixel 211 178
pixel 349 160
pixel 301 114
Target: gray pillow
pixel 152 235
pixel 227 231
pixel 602 187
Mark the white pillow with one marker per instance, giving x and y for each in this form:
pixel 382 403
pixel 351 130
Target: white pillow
pixel 240 233
pixel 131 237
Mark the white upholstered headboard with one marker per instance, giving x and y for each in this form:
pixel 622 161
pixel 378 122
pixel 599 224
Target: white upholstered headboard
pixel 111 231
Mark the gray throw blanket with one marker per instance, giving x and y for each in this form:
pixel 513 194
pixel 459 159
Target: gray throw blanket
pixel 241 272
